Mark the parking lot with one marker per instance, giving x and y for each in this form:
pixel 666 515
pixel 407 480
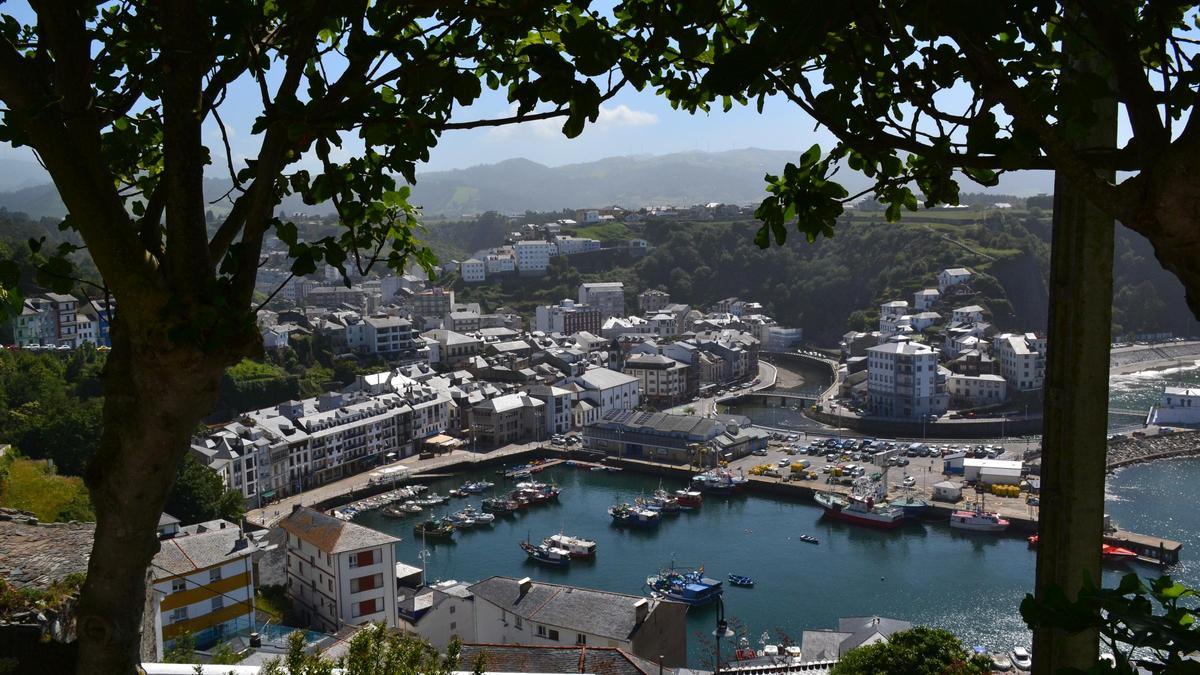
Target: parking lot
pixel 920 468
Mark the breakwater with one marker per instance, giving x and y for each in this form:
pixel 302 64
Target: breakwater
pixel 1125 451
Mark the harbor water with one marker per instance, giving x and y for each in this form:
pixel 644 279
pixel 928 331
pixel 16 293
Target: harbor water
pixel 924 572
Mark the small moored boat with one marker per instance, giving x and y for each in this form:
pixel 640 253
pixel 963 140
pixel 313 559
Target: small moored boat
pixel 546 554
pixel 809 539
pixel 739 580
pixel 578 547
pixel 978 521
pixel 434 529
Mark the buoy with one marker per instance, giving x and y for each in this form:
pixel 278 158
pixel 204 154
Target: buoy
pixel 882 578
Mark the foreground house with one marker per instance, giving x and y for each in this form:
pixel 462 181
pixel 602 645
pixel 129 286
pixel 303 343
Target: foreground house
pixel 339 573
pixel 525 612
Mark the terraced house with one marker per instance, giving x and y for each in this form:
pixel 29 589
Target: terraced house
pixel 204 584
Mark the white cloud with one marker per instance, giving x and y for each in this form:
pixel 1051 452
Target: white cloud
pixel 624 116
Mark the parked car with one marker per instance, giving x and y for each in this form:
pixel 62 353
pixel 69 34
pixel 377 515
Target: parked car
pixel 761 452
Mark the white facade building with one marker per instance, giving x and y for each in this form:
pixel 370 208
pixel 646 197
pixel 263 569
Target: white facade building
pixel 339 573
pixel 952 276
pixel 968 314
pixel 533 256
pixel 925 299
pixel 1022 359
pixel 608 390
pixel 473 271
pixel 903 380
pixel 1178 405
pixel 559 417
pixel 975 390
pixel 606 296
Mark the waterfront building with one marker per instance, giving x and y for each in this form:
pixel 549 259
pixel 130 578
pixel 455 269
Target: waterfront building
pixel 1178 405
pixel 203 584
pixel 663 381
pixel 511 418
pixel 976 390
pixel 568 318
pixel 525 612
pixel 558 410
pixel 608 297
pixel 904 381
pixel 339 573
pixel 609 390
pixel 1022 359
pixel 674 439
pixel 992 471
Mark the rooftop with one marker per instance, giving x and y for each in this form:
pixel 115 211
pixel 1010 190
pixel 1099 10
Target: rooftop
pixel 553 659
pixel 203 546
pixel 330 534
pixel 34 555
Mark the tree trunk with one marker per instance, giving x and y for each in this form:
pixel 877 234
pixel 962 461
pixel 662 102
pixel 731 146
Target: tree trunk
pixel 1076 402
pixel 155 394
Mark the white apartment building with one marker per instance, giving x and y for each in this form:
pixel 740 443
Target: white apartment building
pixel 501 261
pixel 559 416
pixel 438 613
pixel 1022 359
pixel 338 573
pixel 662 380
pixel 925 299
pixel 473 271
pixel 525 612
pixel 976 390
pixel 653 300
pixel 903 380
pixel 390 336
pixel 608 297
pixel 533 256
pixel 572 245
pixel 952 276
pixel 968 314
pixel 609 390
pixel 203 582
pixel 894 308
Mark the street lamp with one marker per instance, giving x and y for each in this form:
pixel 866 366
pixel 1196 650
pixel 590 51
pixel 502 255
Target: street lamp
pixel 722 631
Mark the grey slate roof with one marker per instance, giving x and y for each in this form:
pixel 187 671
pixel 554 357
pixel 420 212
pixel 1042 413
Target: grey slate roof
pixel 545 659
pixel 330 534
pixel 584 610
pixel 198 550
pixel 33 555
pixel 819 645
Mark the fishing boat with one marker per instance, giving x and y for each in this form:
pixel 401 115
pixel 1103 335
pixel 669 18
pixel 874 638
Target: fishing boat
pixel 721 482
pixel 627 514
pixel 461 521
pixel 687 586
pixel 499 505
pixel 978 520
pixel 910 504
pixel 479 517
pixel 861 507
pixel 578 547
pixel 476 487
pixel 739 580
pixel 809 539
pixel 665 501
pixel 538 493
pixel 546 554
pixel 396 511
pixel 458 493
pixel 1108 552
pixel 434 529
pixel 689 499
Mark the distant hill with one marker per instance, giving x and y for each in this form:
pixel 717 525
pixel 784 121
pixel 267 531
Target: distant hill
pixel 519 185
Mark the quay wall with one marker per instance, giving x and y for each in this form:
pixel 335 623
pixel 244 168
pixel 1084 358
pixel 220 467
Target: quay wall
pixel 981 428
pixel 1126 451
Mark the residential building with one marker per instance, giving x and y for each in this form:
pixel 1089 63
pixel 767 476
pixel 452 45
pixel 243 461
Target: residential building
pixel 463 322
pixel 609 390
pixel 903 380
pixel 951 277
pixel 976 390
pixel 966 315
pixel 652 300
pixel 37 324
pixel 455 348
pixel 511 418
pixel 572 245
pixel 65 310
pixel 501 261
pixel 663 381
pixel 339 573
pixel 559 417
pixel 1022 359
pixel 525 612
pixel 391 336
pixel 922 320
pixel 608 297
pixel 473 271
pixel 567 318
pixel 533 256
pixel 203 582
pixel 925 299
pixel 831 645
pixel 676 439
pixel 438 613
pixel 432 302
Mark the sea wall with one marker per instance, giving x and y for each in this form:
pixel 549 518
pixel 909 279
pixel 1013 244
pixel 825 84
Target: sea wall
pixel 1125 451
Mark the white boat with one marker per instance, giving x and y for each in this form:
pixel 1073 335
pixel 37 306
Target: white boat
pixel 480 517
pixel 578 547
pixel 978 521
pixel 1022 659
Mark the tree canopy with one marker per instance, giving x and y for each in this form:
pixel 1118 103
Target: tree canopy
pixel 918 651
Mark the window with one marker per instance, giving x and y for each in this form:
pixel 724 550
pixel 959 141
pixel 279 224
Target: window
pixel 553 635
pixel 453 625
pixel 180 614
pixel 218 602
pixel 541 631
pixel 367 607
pixel 364 558
pixel 366 583
pixel 581 639
pixel 452 608
pixel 517 619
pixel 178 585
pixel 214 574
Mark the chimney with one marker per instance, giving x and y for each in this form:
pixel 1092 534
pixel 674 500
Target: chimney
pixel 523 586
pixel 641 609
